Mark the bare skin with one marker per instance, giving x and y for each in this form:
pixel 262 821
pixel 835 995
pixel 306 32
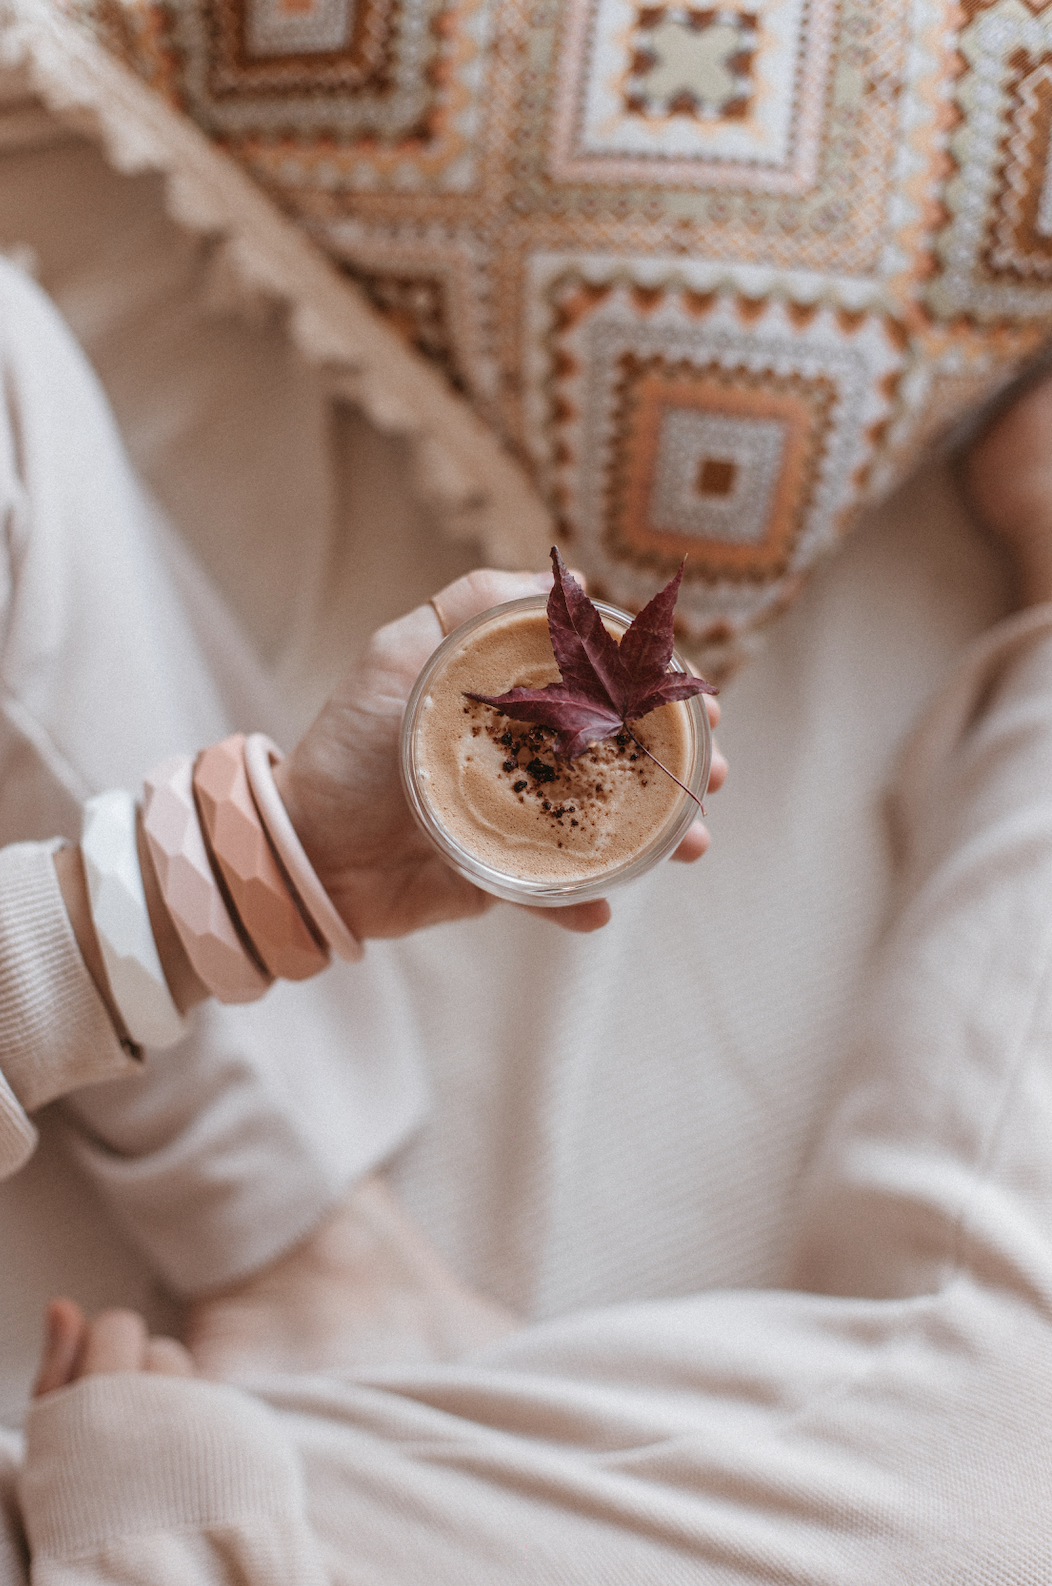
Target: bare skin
pixel 365 1290
pixel 115 1341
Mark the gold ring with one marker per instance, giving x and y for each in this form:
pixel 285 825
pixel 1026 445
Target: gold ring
pixel 437 609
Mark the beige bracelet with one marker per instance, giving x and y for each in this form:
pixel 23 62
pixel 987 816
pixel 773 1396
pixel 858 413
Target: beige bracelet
pixel 268 907
pixel 221 957
pixel 261 753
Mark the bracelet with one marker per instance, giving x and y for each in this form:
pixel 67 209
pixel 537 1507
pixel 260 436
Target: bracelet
pixel 267 906
pixel 122 921
pixel 260 754
pixel 220 956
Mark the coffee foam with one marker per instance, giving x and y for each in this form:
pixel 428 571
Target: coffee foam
pixel 501 793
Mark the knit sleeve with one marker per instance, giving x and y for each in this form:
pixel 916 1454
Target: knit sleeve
pixel 18 1138
pixel 163 1481
pixel 55 1033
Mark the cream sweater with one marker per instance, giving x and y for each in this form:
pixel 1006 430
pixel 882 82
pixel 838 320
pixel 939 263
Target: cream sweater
pixel 145 1480
pixel 55 1033
pixel 127 1478
pixel 887 1416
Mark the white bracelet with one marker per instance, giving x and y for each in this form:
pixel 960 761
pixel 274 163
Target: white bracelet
pixel 261 753
pixel 122 921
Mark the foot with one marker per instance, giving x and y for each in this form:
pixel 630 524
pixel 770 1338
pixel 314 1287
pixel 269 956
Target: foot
pixel 1008 477
pixel 364 1291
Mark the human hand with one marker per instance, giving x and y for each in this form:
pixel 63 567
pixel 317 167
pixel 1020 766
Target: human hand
pixel 115 1341
pixel 342 789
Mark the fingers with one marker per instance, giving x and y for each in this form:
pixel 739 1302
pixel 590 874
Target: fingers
pixel 694 844
pixel 481 589
pixel 400 649
pixel 167 1357
pixel 581 918
pixel 717 770
pixel 65 1329
pixel 115 1341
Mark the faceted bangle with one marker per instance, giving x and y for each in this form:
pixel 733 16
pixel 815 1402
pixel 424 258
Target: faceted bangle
pixel 263 898
pixel 260 755
pixel 220 956
pixel 122 921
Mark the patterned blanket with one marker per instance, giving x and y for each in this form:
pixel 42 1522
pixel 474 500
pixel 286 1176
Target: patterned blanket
pixel 712 274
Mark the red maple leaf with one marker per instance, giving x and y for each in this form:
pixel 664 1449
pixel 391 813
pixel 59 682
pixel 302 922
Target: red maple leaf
pixel 604 685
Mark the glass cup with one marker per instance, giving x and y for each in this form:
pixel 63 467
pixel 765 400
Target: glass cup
pixel 504 882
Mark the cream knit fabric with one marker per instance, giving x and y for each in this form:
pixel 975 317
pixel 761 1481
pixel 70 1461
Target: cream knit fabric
pixel 220 1153
pixel 887 1417
pixel 55 1033
pixel 17 1135
pixel 224 1502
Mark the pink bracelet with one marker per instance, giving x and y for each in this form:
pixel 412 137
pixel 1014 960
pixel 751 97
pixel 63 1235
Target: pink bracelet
pixel 218 954
pixel 266 904
pixel 261 753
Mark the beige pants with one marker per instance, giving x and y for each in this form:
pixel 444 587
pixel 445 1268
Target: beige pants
pixel 887 1419
pixel 114 653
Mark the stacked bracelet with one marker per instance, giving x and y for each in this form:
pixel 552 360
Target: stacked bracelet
pixel 261 754
pixel 222 957
pixel 240 892
pixel 261 895
pixel 122 922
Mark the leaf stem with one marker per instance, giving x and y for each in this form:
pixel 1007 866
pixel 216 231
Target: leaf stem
pixel 664 768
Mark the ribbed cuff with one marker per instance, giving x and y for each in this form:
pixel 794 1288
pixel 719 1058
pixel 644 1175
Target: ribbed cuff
pixel 18 1138
pixel 55 1033
pixel 131 1454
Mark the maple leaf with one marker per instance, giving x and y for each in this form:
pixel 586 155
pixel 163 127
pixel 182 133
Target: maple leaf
pixel 603 685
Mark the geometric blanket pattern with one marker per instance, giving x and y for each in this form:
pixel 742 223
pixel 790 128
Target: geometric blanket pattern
pixel 714 273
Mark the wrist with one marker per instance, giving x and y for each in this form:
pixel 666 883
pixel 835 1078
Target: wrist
pixel 287 784
pixel 296 786
pixel 276 789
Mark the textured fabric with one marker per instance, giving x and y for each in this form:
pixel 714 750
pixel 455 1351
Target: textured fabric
pixel 55 1033
pixel 13 1557
pixel 94 1486
pixel 548 1068
pixel 206 1156
pixel 715 1114
pixel 303 516
pixel 225 1503
pixel 889 1416
pixel 709 271
pixel 17 1135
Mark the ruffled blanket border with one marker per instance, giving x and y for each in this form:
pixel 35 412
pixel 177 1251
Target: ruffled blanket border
pixel 461 470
